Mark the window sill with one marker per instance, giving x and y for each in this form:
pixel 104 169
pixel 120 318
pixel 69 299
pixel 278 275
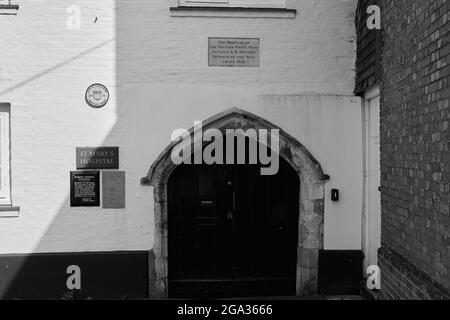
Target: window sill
pixel 8 9
pixel 232 12
pixel 9 212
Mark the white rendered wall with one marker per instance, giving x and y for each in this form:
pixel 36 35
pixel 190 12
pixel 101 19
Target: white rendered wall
pixel 155 67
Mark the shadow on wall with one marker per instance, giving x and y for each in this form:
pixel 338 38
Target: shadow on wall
pixel 118 269
pixel 105 274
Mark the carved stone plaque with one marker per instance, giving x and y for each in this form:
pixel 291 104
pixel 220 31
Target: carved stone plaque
pixel 113 189
pixel 233 52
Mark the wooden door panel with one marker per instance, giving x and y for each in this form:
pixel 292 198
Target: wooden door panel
pixel 232 232
pixel 267 219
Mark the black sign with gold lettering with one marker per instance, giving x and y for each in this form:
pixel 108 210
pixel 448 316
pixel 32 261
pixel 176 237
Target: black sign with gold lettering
pixel 85 189
pixel 97 158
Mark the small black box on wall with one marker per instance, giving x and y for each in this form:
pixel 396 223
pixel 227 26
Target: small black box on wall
pixel 340 272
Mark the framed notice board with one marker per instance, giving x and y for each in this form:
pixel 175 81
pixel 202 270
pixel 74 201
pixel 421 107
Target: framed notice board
pixel 85 188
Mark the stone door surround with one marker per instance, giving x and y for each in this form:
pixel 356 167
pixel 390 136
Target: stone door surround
pixel 311 206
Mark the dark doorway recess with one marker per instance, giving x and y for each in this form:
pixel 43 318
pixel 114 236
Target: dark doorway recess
pixel 310 208
pixel 233 232
pixel 340 272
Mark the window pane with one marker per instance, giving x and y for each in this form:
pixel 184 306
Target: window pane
pixel 260 3
pixel 4 155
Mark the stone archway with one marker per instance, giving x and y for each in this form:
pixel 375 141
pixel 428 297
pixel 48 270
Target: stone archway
pixel 311 206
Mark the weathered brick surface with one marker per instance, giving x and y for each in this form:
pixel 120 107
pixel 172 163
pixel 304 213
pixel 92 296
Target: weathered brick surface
pixel 415 143
pixel 402 280
pixel 368 59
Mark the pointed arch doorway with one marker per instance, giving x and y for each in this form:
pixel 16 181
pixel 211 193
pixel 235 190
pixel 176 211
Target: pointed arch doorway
pixel 230 242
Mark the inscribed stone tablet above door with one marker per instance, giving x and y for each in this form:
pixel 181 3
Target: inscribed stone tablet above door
pixel 233 52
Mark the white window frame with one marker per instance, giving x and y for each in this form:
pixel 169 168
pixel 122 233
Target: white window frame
pixel 8 7
pixel 234 3
pixel 371 220
pixel 5 146
pixel 8 2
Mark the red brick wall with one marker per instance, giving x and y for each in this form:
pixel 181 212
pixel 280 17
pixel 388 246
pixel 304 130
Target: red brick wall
pixel 368 71
pixel 401 280
pixel 415 148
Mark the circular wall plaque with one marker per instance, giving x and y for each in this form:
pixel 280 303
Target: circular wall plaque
pixel 97 95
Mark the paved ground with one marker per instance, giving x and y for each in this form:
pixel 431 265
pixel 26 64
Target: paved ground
pixel 345 298
pixel 305 298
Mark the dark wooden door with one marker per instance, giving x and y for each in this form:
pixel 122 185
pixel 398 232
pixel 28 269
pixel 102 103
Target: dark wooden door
pixel 232 232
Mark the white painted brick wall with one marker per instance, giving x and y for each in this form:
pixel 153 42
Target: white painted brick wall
pixel 156 69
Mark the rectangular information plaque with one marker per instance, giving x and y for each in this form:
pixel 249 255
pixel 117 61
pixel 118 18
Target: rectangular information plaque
pixel 84 188
pixel 113 189
pixel 233 52
pixel 97 158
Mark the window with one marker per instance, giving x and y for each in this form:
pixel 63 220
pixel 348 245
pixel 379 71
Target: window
pixel 5 180
pixel 234 3
pixel 8 7
pixel 234 8
pixel 6 3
